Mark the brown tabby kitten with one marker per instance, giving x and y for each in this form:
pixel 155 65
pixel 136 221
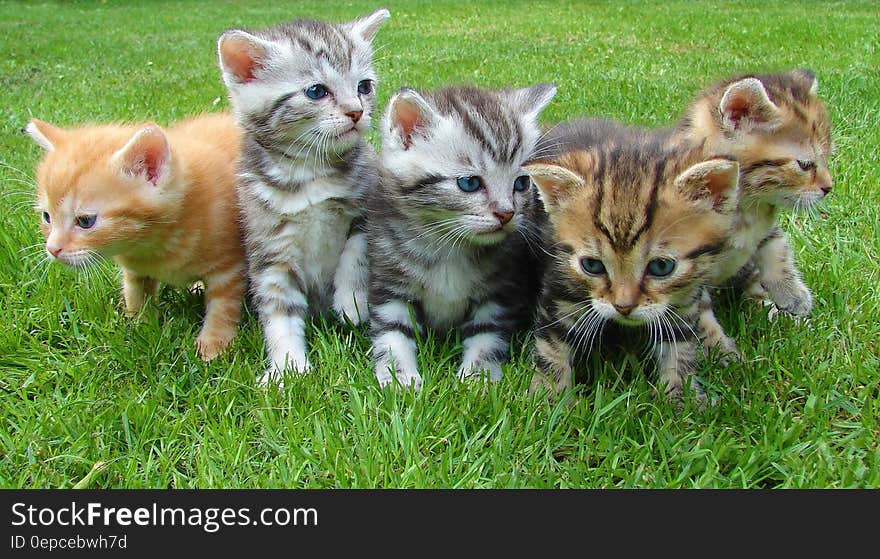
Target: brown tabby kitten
pixel 161 204
pixel 636 230
pixel 779 130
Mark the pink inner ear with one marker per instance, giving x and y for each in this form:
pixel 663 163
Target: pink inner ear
pixel 719 184
pixel 406 117
pixel 737 109
pixel 147 156
pixel 238 59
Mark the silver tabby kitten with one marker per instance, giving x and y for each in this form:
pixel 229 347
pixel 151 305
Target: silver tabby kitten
pixel 304 92
pixel 453 227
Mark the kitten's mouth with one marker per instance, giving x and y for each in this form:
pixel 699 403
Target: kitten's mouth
pixel 77 260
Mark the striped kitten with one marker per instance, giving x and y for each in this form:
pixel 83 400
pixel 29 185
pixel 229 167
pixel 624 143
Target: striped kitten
pixel 452 227
pixel 780 132
pixel 304 92
pixel 160 202
pixel 636 232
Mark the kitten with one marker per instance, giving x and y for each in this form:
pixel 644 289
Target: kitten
pixel 160 203
pixel 453 227
pixel 304 92
pixel 780 132
pixel 636 229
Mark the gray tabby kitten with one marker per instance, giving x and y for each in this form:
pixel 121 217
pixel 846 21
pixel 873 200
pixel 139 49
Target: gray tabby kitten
pixel 304 93
pixel 453 231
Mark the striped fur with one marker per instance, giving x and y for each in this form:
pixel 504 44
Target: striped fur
pixel 768 123
pixel 780 131
pixel 304 172
pixel 441 257
pixel 164 205
pixel 616 210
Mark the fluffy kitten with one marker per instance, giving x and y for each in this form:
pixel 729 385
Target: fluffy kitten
pixel 160 203
pixel 304 92
pixel 452 231
pixel 636 232
pixel 780 132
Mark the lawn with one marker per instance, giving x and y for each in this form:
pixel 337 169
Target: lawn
pixel 89 399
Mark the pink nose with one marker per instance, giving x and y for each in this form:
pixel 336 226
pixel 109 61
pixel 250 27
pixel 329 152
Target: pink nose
pixel 624 308
pixel 54 251
pixel 826 189
pixel 354 115
pixel 503 217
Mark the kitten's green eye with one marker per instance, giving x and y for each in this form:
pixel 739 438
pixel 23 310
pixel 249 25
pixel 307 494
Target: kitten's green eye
pixel 470 184
pixel 365 87
pixel 593 266
pixel 806 164
pixel 521 183
pixel 86 221
pixel 46 217
pixel 317 91
pixel 661 267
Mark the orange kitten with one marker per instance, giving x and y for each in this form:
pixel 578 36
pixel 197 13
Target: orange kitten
pixel 160 203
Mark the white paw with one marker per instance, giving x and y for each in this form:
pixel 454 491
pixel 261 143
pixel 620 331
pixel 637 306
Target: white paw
pixel 406 379
pixel 274 375
pixel 351 306
pixel 475 370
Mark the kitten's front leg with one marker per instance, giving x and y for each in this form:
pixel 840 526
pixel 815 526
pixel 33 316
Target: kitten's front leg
pixel 280 297
pixel 395 351
pixel 779 276
pixel 552 361
pixel 135 290
pixel 676 362
pixel 711 331
pixel 486 340
pixel 223 299
pixel 351 280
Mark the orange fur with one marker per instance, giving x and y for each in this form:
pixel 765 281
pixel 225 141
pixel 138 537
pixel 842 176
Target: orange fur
pixel 162 216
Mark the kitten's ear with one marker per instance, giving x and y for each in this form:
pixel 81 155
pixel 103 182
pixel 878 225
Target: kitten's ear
pixel 715 181
pixel 746 105
pixel 532 100
pixel 807 79
pixel 367 26
pixel 241 56
pixel 554 183
pixel 46 135
pixel 409 114
pixel 146 156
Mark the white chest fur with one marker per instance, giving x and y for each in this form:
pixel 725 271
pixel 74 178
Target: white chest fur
pixel 449 286
pixel 750 230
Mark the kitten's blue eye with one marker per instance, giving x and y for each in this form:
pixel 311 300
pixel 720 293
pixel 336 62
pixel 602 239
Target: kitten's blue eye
pixel 661 267
pixel 86 221
pixel 521 183
pixel 470 184
pixel 806 164
pixel 316 91
pixel 46 217
pixel 593 266
pixel 365 87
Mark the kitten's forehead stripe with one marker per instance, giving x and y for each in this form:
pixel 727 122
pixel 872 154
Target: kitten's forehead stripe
pixel 326 41
pixel 486 118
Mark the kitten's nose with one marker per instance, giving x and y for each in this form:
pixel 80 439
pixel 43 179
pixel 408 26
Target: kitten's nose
pixel 826 188
pixel 54 251
pixel 624 308
pixel 354 115
pixel 503 217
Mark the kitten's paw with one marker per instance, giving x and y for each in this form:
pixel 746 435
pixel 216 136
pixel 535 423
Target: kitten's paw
pixel 794 299
pixel 477 370
pixel 351 307
pixel 406 379
pixel 210 346
pixel 275 373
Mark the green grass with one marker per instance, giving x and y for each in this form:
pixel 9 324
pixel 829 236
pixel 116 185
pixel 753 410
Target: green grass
pixel 89 398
